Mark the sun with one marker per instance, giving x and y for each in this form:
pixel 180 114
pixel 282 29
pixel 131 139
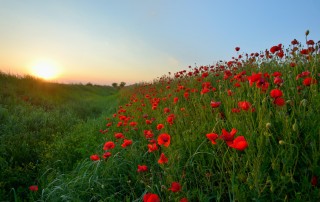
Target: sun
pixel 45 69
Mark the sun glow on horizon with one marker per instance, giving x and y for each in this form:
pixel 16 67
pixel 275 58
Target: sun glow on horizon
pixel 45 69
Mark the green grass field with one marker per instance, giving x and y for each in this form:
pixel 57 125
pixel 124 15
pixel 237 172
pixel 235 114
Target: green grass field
pixel 247 129
pixel 46 127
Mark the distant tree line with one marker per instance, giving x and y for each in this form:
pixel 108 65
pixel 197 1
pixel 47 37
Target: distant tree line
pixel 118 86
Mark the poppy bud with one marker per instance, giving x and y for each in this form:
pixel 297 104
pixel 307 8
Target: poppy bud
pixel 295 126
pixel 304 102
pixel 268 125
pixel 307 32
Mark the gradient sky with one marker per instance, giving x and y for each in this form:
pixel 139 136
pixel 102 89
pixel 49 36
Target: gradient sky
pixel 103 41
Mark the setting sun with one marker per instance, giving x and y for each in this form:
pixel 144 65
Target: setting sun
pixel 45 69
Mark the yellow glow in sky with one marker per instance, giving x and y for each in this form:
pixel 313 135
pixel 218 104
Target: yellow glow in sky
pixel 45 69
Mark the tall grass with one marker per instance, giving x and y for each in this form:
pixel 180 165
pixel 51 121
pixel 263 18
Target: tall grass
pixel 46 127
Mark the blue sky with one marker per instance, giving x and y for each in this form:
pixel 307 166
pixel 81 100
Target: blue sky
pixel 102 41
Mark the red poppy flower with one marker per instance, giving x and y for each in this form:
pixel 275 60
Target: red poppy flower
pixel 163 159
pixel 273 49
pixel 126 143
pixel 215 104
pixel 142 168
pixel 235 110
pixel 212 137
pixel 175 187
pixel 186 95
pixel 237 48
pixel 133 124
pixel 33 188
pixel 204 74
pixel 119 135
pixel 308 81
pixel 274 93
pixel 149 197
pixel 278 81
pixel 166 110
pixel 94 157
pixel 148 134
pixel 108 145
pixel 148 122
pixel 314 180
pixel 184 200
pixel 310 42
pixel 205 90
pixel 294 42
pixel 175 100
pixel 164 139
pixel 170 119
pixel 244 105
pixel 160 126
pixel 152 147
pixel 228 137
pixel 239 143
pixel 279 101
pixel 106 155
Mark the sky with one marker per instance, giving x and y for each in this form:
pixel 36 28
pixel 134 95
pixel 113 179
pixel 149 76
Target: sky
pixel 104 41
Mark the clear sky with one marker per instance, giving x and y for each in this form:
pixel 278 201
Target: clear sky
pixel 104 41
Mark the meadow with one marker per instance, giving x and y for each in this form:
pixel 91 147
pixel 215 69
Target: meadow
pixel 240 130
pixel 46 127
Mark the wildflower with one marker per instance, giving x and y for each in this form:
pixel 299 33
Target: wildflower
pixel 160 126
pixel 279 101
pixel 235 110
pixel 205 90
pixel 276 93
pixel 237 49
pixel 148 133
pixel 274 49
pixel 244 105
pixel 212 137
pixel 170 119
pixel 314 180
pixel 308 81
pixel 215 104
pixel 184 200
pixel 142 168
pixel 126 143
pixel 175 187
pixel 277 80
pixel 133 124
pixel 108 145
pixel 164 139
pixel 152 147
pixel 228 137
pixel 94 157
pixel 239 143
pixel 106 155
pixel 166 110
pixel 175 100
pixel 119 135
pixel 149 197
pixel 163 159
pixel 33 188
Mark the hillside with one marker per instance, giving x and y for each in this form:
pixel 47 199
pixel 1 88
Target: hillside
pixel 46 125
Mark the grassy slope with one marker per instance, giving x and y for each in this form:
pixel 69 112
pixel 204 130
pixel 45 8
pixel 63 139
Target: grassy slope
pixel 46 127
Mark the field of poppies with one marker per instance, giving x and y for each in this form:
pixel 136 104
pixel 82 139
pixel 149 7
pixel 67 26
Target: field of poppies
pixel 241 130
